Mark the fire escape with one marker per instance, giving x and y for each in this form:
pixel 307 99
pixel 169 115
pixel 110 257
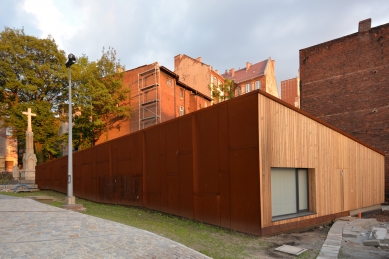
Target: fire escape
pixel 149 100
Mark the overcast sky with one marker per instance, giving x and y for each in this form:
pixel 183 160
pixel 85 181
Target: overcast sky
pixel 225 33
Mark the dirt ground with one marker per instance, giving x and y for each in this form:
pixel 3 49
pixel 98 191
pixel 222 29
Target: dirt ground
pixel 311 239
pixel 381 217
pixel 314 238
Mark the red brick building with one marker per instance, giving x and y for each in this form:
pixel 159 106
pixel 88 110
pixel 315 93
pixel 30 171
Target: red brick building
pixel 345 82
pixel 197 74
pixel 156 96
pixel 290 91
pixel 254 76
pixel 8 150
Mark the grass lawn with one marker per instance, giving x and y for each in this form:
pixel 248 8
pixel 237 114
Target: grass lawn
pixel 210 240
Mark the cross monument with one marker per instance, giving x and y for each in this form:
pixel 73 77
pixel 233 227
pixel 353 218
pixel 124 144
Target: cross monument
pixel 29 158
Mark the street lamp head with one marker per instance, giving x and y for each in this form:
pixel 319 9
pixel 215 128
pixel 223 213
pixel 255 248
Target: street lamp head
pixel 71 60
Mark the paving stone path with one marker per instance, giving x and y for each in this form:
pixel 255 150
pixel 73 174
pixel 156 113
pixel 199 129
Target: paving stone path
pixel 29 229
pixel 339 230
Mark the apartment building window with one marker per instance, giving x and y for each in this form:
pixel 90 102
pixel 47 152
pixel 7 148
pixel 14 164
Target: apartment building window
pixel 289 192
pixel 205 104
pixel 169 81
pixel 182 111
pixel 257 85
pixel 181 93
pixel 247 88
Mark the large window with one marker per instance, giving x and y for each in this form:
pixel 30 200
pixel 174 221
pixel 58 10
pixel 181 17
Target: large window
pixel 182 111
pixel 289 192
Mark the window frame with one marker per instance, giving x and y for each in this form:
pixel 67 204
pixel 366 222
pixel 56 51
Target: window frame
pixel 182 111
pixel 257 85
pixel 248 87
pixel 299 212
pixel 181 93
pixel 169 82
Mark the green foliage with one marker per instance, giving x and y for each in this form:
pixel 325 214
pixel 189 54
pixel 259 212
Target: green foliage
pixel 31 76
pixel 223 91
pixel 100 101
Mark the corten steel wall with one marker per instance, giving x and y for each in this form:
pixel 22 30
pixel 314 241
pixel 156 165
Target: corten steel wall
pixel 345 82
pixel 202 166
pixel 206 166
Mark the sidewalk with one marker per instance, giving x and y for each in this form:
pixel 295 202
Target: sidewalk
pixel 29 229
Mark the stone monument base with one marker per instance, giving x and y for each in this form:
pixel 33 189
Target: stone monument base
pixel 27 175
pixel 70 200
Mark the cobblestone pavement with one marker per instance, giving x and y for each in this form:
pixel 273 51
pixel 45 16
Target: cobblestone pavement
pixel 29 229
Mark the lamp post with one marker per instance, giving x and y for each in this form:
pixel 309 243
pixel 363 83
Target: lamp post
pixel 70 199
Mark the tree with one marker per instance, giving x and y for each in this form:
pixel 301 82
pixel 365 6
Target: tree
pixel 223 91
pixel 101 101
pixel 32 74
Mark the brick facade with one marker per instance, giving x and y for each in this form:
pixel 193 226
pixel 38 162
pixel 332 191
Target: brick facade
pixel 171 94
pixel 8 150
pixel 254 76
pixel 290 91
pixel 197 74
pixel 345 82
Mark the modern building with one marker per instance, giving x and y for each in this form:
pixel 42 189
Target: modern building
pixel 197 74
pixel 290 91
pixel 253 164
pixel 256 76
pixel 157 95
pixel 345 82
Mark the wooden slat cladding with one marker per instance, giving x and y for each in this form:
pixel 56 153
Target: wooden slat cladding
pixel 343 174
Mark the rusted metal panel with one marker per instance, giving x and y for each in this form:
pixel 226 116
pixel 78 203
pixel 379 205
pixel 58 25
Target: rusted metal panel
pixel 173 195
pixel 172 149
pixel 207 152
pixel 186 186
pixel 243 122
pixel 244 190
pixel 152 173
pixel 207 209
pixel 185 135
pixel 224 165
pixel 164 185
pixel 225 205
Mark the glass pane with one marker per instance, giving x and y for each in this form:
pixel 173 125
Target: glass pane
pixel 303 189
pixel 283 191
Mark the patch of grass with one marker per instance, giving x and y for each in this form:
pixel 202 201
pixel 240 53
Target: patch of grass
pixel 210 240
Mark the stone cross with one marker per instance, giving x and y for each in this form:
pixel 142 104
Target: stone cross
pixel 29 114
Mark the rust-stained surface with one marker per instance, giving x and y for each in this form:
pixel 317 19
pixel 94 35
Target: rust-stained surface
pixel 204 166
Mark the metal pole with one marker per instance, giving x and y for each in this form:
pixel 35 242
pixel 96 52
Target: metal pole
pixel 70 145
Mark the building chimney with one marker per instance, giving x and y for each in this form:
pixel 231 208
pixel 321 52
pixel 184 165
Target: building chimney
pixel 232 71
pixel 177 61
pixel 364 25
pixel 248 65
pixel 198 59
